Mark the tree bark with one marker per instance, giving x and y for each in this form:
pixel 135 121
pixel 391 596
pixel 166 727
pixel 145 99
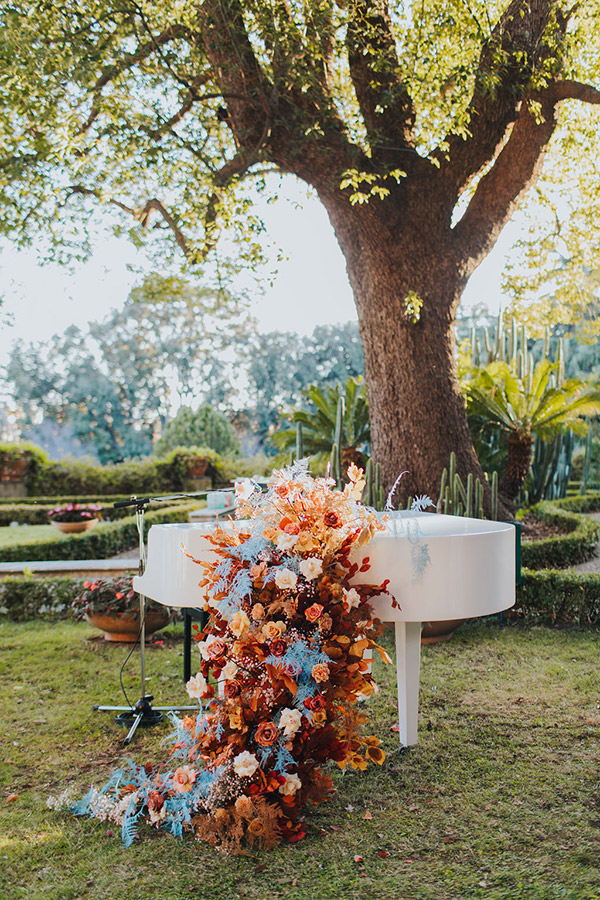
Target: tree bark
pixel 417 410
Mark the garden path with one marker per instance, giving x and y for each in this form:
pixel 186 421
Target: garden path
pixel 593 564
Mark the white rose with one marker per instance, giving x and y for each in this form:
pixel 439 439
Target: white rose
pixel 285 579
pixel 286 541
pixel 290 720
pixel 311 567
pixel 197 686
pixel 244 489
pixel 245 764
pixel 351 598
pixel 291 785
pixel 229 671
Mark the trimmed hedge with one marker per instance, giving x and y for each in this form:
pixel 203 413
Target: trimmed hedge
pixel 25 597
pixel 555 597
pixel 101 543
pixel 37 514
pixel 584 503
pixel 563 550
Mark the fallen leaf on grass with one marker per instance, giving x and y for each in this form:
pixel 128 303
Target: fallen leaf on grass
pixel 383 853
pixel 367 815
pixel 395 728
pixel 11 798
pixel 362 874
pixel 294 882
pixel 357 858
pixel 260 868
pixel 335 828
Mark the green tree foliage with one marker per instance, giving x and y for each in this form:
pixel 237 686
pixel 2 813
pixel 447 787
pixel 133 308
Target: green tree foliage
pixel 525 406
pixel 203 427
pixel 319 419
pixel 279 366
pixel 420 126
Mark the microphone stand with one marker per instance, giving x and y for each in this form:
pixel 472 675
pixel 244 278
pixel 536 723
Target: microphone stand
pixel 143 713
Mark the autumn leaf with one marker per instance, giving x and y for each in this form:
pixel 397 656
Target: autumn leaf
pixel 11 798
pixel 358 859
pixel 367 815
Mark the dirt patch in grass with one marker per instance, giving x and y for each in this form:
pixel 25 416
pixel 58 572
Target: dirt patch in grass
pixel 498 800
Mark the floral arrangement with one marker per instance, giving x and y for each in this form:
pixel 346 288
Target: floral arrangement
pixel 110 596
pixel 73 512
pixel 283 663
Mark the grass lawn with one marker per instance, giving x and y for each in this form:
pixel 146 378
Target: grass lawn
pixel 21 534
pixel 500 799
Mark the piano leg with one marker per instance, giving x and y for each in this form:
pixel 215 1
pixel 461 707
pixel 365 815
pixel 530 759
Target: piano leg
pixel 408 662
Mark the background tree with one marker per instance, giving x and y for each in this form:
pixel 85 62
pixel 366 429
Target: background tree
pixel 116 384
pixel 421 128
pixel 203 427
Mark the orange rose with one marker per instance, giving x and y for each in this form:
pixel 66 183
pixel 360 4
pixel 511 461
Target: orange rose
pixel 231 690
pixel 333 519
pixel 313 612
pixel 278 647
pixel 256 827
pixel 216 648
pixel 266 734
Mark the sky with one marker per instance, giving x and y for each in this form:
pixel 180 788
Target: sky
pixel 309 289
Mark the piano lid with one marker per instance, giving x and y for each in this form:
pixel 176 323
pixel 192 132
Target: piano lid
pixel 439 567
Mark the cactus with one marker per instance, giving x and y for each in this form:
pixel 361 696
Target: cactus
pixel 458 499
pixel 299 441
pixel 373 495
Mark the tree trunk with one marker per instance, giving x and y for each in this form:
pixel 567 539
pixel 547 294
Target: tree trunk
pixel 418 415
pixel 520 452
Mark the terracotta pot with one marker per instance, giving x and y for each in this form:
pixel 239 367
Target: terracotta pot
pixel 125 626
pixel 196 468
pixel 14 470
pixel 436 632
pixel 74 527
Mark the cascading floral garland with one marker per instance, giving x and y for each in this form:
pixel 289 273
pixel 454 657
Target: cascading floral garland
pixel 286 645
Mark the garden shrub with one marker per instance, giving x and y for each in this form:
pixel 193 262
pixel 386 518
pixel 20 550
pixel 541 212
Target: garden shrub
pixel 25 597
pixel 562 550
pixel 36 513
pixel 557 597
pixel 101 543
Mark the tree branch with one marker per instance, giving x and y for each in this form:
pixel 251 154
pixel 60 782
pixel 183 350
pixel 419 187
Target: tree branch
pixel 506 63
pixel 499 191
pixel 140 215
pixel 129 61
pixel 515 170
pixel 386 106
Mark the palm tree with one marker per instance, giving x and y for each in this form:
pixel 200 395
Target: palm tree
pixel 319 425
pixel 524 407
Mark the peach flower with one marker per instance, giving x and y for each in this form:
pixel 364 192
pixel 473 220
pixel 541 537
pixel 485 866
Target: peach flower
pixel 290 720
pixel 306 542
pixel 320 672
pixel 197 686
pixel 285 579
pixel 273 630
pixel 258 612
pixel 239 624
pixel 204 647
pixel 311 567
pixel 183 779
pixel 245 764
pixel 313 612
pixel 291 784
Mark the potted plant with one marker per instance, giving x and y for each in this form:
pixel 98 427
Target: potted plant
pixel 74 518
pixel 112 605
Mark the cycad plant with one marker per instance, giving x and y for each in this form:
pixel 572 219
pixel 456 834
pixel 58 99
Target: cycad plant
pixel 528 405
pixel 319 423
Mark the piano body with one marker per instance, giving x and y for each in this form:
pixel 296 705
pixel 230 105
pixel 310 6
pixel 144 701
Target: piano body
pixel 439 567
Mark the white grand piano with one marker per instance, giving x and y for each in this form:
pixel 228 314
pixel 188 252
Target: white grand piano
pixel 439 567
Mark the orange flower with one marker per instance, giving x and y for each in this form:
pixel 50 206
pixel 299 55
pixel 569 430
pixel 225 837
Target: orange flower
pixel 266 734
pixel 258 612
pixel 313 612
pixel 333 519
